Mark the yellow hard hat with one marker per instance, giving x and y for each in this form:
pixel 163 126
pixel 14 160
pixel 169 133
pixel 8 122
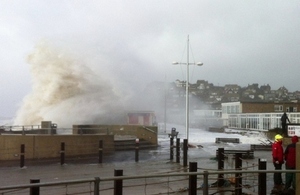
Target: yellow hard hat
pixel 278 137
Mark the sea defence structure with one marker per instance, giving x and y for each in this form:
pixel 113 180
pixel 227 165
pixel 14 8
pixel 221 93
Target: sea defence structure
pixel 49 146
pixel 84 140
pixel 147 133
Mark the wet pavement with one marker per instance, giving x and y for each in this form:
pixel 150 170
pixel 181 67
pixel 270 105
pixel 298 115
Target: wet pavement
pixel 152 161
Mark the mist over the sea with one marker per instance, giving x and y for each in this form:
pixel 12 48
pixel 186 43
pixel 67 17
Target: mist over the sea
pixel 67 91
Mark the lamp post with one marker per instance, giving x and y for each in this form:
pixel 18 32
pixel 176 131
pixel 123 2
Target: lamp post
pixel 187 88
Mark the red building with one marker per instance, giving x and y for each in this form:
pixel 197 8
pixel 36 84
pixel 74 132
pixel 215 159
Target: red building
pixel 146 118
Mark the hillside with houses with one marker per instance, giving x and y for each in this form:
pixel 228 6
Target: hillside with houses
pixel 212 96
pixel 206 96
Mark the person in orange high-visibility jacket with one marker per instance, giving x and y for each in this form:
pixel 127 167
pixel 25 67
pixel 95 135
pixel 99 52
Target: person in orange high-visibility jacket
pixel 278 159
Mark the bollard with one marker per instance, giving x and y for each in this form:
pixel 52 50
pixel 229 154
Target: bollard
pixel 22 156
pixel 137 142
pixel 178 150
pixel 193 179
pixel 171 148
pixel 185 149
pixel 62 153
pixel 118 184
pixel 262 177
pixel 34 190
pixel 221 158
pixel 100 151
pixel 238 176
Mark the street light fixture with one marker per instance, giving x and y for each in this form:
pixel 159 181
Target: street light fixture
pixel 187 88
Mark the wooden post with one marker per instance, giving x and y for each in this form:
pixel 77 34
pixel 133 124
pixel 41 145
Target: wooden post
pixel 100 151
pixel 62 153
pixel 178 150
pixel 238 176
pixel 185 150
pixel 171 148
pixel 221 158
pixel 34 190
pixel 118 184
pixel 137 143
pixel 262 177
pixel 193 179
pixel 96 186
pixel 22 156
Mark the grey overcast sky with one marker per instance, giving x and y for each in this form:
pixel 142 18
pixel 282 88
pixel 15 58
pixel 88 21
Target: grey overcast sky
pixel 239 42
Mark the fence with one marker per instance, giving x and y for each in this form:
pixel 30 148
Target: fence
pixel 164 183
pixel 230 180
pixel 146 184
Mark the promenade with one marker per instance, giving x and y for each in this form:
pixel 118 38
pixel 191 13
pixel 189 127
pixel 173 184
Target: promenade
pixel 151 162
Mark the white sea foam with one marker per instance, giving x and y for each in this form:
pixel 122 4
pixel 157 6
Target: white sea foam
pixel 200 136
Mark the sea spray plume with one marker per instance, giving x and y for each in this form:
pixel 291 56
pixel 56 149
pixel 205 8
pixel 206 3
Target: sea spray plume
pixel 65 91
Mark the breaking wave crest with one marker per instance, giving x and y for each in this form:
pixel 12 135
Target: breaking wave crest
pixel 66 91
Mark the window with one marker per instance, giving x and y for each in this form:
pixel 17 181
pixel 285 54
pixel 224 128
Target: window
pixel 278 108
pixel 295 109
pixel 237 109
pixel 233 109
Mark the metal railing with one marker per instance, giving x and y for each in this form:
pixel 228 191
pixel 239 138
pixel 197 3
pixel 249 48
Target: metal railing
pixel 118 187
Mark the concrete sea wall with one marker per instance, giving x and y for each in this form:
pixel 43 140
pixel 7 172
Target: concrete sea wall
pixel 148 133
pixel 49 146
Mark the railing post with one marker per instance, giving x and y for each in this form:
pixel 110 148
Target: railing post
pixel 185 149
pixel 262 177
pixel 62 153
pixel 34 190
pixel 137 142
pixel 22 156
pixel 238 176
pixel 23 130
pixel 96 186
pixel 100 151
pixel 118 184
pixel 193 179
pixel 178 150
pixel 221 158
pixel 171 148
pixel 205 183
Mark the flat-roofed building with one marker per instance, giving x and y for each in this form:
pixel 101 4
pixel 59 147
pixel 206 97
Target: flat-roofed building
pixel 141 118
pixel 258 115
